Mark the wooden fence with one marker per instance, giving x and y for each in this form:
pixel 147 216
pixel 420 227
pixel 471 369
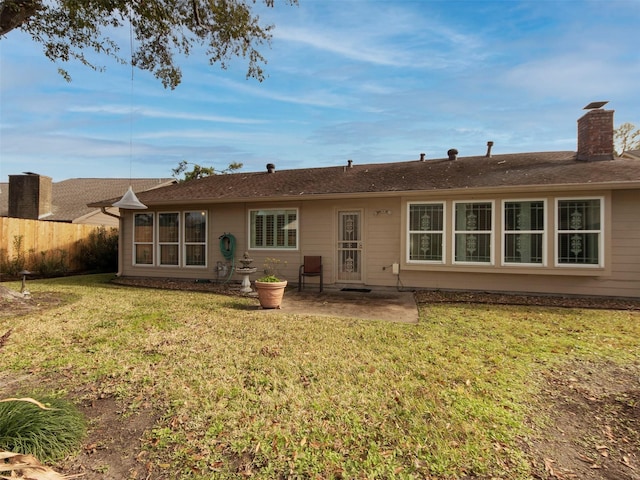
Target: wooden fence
pixel 32 240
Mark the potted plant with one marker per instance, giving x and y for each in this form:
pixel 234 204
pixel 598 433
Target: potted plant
pixel 270 287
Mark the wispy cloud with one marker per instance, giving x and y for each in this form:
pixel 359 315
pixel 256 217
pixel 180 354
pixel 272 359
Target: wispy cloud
pixel 157 113
pixel 573 77
pixel 337 44
pixel 366 80
pixel 299 95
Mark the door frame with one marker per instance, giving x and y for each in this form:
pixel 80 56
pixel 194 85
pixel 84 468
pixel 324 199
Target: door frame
pixel 360 248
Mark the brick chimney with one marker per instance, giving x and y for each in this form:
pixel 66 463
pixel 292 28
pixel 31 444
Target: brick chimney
pixel 30 196
pixel 595 135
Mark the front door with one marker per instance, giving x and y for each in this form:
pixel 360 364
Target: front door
pixel 349 246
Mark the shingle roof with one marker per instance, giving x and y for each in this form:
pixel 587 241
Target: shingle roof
pixel 511 170
pixel 635 154
pixel 69 198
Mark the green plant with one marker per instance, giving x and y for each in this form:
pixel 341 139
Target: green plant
pixel 11 266
pixel 272 270
pixel 99 251
pixel 269 279
pixel 50 263
pixel 49 429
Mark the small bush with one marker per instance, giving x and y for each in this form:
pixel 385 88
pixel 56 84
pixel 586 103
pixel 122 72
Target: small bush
pixel 49 435
pixel 51 263
pixel 99 252
pixel 11 266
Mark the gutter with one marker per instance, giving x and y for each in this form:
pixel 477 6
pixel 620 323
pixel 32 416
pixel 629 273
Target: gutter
pixel 104 210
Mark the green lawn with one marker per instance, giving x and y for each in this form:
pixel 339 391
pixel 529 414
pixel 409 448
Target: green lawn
pixel 272 396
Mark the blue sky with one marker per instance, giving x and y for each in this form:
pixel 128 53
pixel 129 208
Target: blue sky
pixel 372 81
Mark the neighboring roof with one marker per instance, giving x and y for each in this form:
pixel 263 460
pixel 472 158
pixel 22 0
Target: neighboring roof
pixel 499 171
pixel 69 198
pixel 634 154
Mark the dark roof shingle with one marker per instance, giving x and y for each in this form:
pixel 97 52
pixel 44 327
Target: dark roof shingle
pixel 510 170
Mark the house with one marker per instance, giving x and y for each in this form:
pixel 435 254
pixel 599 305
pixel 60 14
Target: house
pixel 37 197
pixel 549 222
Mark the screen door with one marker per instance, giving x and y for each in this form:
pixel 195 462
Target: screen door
pixel 349 246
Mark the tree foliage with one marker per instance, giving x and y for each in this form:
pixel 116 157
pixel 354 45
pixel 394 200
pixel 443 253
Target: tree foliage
pixel 162 29
pixel 199 171
pixel 626 138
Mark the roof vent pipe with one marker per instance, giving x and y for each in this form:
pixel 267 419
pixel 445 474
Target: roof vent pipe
pixel 453 153
pixel 271 168
pixel 350 163
pixel 489 145
pixel 422 155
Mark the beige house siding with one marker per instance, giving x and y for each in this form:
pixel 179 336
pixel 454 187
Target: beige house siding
pixel 620 275
pixel 384 224
pixel 383 237
pixel 625 244
pixel 317 224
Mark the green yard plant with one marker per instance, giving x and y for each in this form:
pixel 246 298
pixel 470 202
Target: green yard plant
pixel 272 270
pixel 98 253
pixel 244 393
pixel 49 428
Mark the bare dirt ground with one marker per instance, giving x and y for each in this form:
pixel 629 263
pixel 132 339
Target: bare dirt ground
pixel 594 424
pixel 593 409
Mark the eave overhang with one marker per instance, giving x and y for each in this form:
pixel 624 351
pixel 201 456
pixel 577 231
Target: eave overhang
pixel 434 192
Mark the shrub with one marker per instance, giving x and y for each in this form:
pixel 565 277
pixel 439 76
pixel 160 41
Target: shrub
pixel 49 434
pixel 50 263
pixel 11 266
pixel 99 252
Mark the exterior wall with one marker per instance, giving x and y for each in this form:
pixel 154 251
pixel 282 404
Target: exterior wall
pixel 317 224
pixel 220 219
pixel 625 245
pixel 383 229
pixel 620 275
pixel 380 242
pixel 384 224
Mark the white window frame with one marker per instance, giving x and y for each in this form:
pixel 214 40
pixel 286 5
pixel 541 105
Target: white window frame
pixel 136 243
pixel 491 233
pixel 204 243
pixel 442 232
pixel 160 243
pixel 600 232
pixel 504 232
pixel 274 211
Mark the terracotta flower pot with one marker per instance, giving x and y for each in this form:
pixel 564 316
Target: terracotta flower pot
pixel 270 293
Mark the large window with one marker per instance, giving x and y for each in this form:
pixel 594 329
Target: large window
pixel 143 239
pixel 169 238
pixel 473 232
pixel 195 238
pixel 426 232
pixel 537 234
pixel 274 229
pixel 579 231
pixel 524 225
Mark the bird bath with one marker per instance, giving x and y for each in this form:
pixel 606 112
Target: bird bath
pixel 246 270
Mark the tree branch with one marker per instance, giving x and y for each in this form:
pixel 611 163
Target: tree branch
pixel 14 13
